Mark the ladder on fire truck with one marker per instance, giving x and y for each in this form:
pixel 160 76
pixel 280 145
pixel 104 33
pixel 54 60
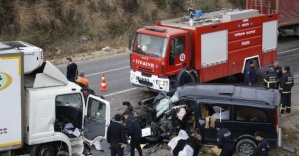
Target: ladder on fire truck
pixel 210 15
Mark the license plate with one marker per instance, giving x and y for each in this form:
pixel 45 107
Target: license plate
pixel 146 131
pixel 143 79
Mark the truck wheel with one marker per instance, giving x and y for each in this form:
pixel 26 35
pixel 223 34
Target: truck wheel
pixel 155 136
pixel 246 147
pixel 43 150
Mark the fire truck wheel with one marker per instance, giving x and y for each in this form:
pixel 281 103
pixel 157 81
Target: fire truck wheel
pixel 43 150
pixel 246 147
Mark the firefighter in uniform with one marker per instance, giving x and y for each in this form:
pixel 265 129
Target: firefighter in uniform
pixel 225 140
pixel 277 69
pixel 270 81
pixel 286 84
pixel 263 146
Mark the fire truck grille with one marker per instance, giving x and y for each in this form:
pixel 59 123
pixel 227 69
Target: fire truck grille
pixel 151 71
pixel 146 83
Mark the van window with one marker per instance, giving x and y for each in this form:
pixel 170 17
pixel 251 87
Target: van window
pixel 215 111
pixel 250 114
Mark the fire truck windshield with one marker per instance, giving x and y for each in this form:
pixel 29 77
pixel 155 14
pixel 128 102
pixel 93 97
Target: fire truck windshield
pixel 150 45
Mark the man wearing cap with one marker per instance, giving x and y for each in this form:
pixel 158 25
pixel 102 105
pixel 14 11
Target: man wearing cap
pixel 82 79
pixel 263 147
pixel 116 136
pixel 133 130
pixel 225 140
pixel 250 74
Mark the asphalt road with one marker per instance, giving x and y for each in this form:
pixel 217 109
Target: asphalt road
pixel 117 70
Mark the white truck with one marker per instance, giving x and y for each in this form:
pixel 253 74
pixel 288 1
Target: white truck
pixel 42 113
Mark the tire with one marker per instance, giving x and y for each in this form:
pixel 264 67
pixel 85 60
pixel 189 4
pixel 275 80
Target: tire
pixel 43 150
pixel 246 147
pixel 155 136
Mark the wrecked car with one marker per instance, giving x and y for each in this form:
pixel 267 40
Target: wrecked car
pixel 242 109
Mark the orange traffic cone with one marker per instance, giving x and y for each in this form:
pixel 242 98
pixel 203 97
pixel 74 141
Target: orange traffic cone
pixel 103 83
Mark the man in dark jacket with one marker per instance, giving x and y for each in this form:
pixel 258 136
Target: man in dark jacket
pixel 286 84
pixel 116 136
pixel 225 140
pixel 186 76
pixel 133 130
pixel 250 74
pixel 277 69
pixel 72 70
pixel 270 81
pixel 263 147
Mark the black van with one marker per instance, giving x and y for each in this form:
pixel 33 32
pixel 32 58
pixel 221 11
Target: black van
pixel 242 109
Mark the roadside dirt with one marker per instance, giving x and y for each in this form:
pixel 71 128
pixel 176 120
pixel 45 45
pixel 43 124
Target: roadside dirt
pixel 78 57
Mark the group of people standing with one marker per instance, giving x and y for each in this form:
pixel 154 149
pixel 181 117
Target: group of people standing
pixel 276 78
pixel 117 134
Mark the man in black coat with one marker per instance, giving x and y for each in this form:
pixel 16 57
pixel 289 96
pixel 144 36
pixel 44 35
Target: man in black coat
pixel 186 77
pixel 277 69
pixel 116 136
pixel 250 74
pixel 133 130
pixel 263 147
pixel 225 140
pixel 72 70
pixel 285 87
pixel 270 81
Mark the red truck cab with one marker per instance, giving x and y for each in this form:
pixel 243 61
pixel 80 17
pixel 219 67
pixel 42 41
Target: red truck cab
pixel 158 53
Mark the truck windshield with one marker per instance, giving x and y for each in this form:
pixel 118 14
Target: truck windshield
pixel 150 45
pixel 73 100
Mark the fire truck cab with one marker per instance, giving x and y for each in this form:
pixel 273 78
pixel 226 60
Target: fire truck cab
pixel 215 45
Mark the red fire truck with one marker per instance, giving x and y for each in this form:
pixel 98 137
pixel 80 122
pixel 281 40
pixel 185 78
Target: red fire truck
pixel 288 13
pixel 216 45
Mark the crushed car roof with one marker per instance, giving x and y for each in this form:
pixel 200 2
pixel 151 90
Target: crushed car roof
pixel 232 92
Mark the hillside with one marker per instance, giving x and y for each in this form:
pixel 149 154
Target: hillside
pixel 64 27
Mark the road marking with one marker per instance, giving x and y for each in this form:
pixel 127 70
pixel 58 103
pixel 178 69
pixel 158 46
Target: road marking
pixel 107 71
pixel 288 51
pixel 296 76
pixel 120 92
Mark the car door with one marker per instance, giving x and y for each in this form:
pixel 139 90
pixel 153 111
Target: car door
pixel 96 119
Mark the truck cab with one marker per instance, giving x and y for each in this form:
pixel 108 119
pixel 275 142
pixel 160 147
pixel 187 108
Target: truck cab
pixel 159 53
pixel 52 116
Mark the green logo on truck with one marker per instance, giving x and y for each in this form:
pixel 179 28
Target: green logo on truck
pixel 5 80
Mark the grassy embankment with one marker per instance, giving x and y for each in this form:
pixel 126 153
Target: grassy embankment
pixel 68 27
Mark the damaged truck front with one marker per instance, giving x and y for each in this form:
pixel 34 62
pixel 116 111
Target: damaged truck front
pixel 42 113
pixel 242 109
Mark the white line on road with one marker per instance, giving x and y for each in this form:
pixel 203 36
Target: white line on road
pixel 288 51
pixel 120 92
pixel 107 71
